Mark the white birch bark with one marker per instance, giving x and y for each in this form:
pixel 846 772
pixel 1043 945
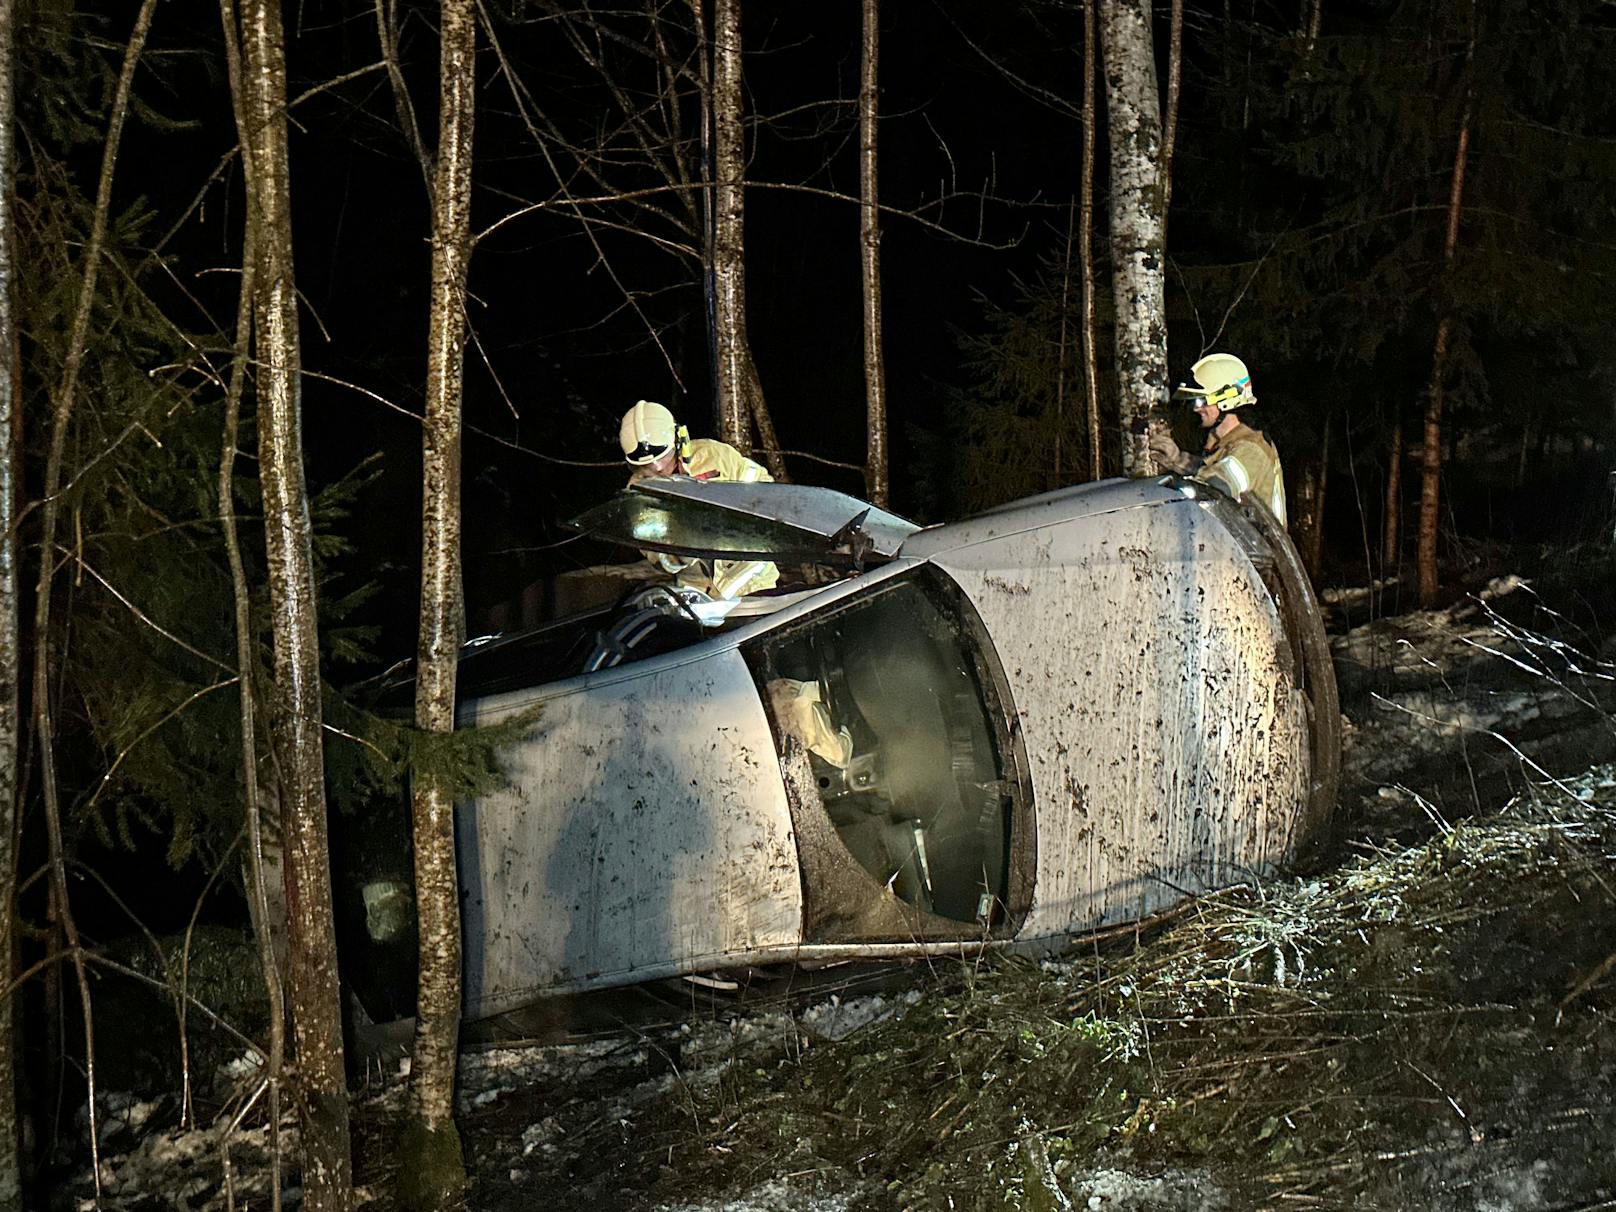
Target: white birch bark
pixel 1085 249
pixel 875 379
pixel 434 1169
pixel 1431 448
pixel 268 920
pixel 709 202
pixel 1175 77
pixel 1137 221
pixel 297 717
pixel 1431 463
pixel 729 227
pixel 10 660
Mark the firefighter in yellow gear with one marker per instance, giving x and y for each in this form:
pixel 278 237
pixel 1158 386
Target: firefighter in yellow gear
pixel 1237 457
pixel 656 445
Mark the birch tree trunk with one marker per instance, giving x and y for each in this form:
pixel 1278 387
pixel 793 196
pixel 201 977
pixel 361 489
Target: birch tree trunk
pixel 434 1169
pixel 729 227
pixel 1175 76
pixel 10 643
pixel 875 381
pixel 296 723
pixel 1431 463
pixel 759 412
pixel 1137 221
pixel 741 403
pixel 1085 247
pixel 709 203
pixel 263 918
pixel 267 924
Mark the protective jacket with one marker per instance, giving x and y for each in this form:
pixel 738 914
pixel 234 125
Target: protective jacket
pixel 709 459
pixel 1244 461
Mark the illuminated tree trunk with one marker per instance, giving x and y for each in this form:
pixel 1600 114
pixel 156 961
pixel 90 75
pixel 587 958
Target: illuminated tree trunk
pixel 741 403
pixel 729 227
pixel 268 922
pixel 10 660
pixel 1175 75
pixel 875 383
pixel 433 1167
pixel 296 722
pixel 1085 249
pixel 1137 221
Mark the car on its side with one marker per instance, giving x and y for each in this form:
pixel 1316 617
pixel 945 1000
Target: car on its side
pixel 1069 712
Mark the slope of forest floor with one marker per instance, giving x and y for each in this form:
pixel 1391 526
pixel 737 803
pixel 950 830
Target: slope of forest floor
pixel 1421 1028
pixel 1424 1024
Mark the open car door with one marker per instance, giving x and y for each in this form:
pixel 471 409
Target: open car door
pixel 732 521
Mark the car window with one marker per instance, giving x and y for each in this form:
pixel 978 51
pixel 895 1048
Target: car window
pixel 888 696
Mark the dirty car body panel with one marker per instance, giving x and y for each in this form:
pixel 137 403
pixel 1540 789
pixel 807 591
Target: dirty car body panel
pixel 634 837
pixel 1066 713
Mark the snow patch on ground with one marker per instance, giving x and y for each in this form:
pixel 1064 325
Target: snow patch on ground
pixel 486 1075
pixel 1173 1191
pixel 836 1019
pixel 1417 685
pixel 773 1196
pixel 187 1167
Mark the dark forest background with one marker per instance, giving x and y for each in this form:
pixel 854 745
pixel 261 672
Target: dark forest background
pixel 1311 187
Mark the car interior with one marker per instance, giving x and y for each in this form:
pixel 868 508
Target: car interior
pixel 922 803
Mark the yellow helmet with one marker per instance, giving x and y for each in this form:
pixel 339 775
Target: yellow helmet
pixel 1223 381
pixel 647 433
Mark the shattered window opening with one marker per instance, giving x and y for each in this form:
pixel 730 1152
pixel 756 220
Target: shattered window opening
pixel 887 696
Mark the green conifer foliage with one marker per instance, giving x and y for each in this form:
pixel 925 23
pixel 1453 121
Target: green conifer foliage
pixel 1332 274
pixel 1309 210
pixel 150 725
pixel 1022 426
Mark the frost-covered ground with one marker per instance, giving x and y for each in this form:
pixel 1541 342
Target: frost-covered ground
pixel 1442 706
pixel 1424 1026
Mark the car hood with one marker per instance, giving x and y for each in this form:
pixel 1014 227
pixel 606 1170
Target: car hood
pixel 764 521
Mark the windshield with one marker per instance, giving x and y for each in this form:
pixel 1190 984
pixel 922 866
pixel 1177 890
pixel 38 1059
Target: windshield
pixel 746 521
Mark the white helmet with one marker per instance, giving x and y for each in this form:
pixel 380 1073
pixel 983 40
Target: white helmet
pixel 1224 382
pixel 648 432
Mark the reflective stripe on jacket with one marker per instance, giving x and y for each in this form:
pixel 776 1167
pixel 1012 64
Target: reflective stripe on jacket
pixel 1244 461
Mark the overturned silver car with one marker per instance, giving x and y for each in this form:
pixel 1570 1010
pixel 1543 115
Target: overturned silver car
pixel 1072 711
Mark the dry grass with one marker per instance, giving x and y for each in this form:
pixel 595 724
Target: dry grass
pixel 1422 1027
